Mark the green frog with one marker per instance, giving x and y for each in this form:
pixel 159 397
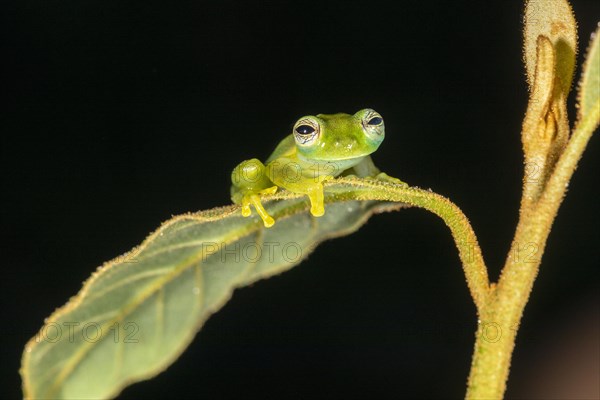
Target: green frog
pixel 319 148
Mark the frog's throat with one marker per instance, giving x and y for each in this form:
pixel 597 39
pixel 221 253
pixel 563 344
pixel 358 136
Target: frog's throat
pixel 331 167
pixel 313 160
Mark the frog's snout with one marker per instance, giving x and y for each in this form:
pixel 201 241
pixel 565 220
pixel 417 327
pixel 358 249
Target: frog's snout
pixel 345 145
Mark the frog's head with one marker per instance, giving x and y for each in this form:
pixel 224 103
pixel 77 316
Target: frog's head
pixel 330 137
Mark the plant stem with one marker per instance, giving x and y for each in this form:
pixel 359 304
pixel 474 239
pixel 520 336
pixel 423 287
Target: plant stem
pixel 500 317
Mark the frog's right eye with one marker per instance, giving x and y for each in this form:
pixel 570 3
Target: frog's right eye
pixel 306 131
pixel 303 130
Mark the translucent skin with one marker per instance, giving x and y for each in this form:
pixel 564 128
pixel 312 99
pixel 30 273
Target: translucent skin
pixel 320 148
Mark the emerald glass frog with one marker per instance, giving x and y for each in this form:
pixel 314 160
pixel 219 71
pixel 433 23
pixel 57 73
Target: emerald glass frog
pixel 319 148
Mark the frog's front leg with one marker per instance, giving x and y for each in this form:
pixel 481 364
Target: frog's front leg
pixel 299 178
pixel 250 181
pixel 317 199
pixel 367 169
pixel 314 191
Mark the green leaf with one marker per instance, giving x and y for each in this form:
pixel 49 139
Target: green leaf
pixel 139 312
pixel 589 87
pixel 555 20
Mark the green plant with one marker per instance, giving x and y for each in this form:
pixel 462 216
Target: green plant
pixel 184 271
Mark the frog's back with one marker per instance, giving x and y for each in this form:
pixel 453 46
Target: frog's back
pixel 285 148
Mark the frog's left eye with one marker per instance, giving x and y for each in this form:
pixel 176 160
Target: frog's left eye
pixel 306 131
pixel 372 123
pixel 375 121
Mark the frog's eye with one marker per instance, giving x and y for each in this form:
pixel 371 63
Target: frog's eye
pixel 373 124
pixel 306 131
pixel 375 121
pixel 303 130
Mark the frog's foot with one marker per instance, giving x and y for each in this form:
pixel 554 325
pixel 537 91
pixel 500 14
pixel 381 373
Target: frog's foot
pixel 253 198
pixel 317 200
pixel 355 176
pixel 382 176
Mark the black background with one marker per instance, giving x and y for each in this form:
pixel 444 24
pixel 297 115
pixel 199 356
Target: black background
pixel 122 114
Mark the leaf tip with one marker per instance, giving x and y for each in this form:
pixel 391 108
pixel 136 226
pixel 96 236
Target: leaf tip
pixel 554 19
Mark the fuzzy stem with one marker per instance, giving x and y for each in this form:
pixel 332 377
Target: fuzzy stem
pixel 500 317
